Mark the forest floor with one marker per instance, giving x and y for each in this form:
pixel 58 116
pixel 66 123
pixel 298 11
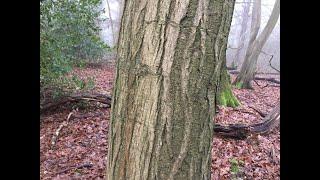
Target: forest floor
pixel 81 147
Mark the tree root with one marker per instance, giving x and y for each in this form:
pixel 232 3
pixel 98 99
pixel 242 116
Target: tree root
pixel 241 131
pixel 86 165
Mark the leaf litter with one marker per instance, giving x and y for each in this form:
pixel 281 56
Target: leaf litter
pixel 81 148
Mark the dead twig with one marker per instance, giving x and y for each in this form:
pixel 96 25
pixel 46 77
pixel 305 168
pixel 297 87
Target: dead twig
pixel 248 112
pixel 272 66
pixel 260 85
pixel 57 132
pixel 85 165
pixel 258 111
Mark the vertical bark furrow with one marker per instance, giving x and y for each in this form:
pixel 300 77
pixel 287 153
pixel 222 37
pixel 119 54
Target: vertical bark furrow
pixel 161 126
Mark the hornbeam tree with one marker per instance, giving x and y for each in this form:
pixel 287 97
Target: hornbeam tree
pixel 255 46
pixel 163 101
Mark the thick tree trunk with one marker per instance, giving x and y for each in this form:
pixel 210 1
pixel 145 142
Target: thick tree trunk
pixel 249 65
pixel 169 56
pixel 243 30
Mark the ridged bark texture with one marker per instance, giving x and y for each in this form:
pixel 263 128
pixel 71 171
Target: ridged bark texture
pixel 169 60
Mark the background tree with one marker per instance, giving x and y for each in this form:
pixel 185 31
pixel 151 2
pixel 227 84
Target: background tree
pixel 243 29
pixel 224 94
pixel 168 66
pixel 248 67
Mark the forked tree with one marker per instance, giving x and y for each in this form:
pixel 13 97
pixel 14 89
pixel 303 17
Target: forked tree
pixel 256 44
pixel 163 102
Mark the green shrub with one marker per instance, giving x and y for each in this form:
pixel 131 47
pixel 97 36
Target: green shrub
pixel 69 37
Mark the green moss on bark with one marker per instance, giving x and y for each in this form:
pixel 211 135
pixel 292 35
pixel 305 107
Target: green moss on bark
pixel 225 95
pixel 226 98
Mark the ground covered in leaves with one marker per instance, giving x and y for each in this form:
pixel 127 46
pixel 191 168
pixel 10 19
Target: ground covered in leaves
pixel 81 147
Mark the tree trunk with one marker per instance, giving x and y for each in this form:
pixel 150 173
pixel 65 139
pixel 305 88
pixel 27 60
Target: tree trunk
pixel 111 24
pixel 249 65
pixel 169 58
pixel 224 94
pixel 243 30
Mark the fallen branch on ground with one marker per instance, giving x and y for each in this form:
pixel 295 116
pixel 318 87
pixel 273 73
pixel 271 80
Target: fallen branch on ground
pixel 274 80
pixel 86 165
pixel 258 111
pixel 261 73
pixel 231 68
pixel 105 99
pixel 268 79
pixel 247 112
pixel 241 131
pixel 260 85
pixel 237 131
pixel 57 132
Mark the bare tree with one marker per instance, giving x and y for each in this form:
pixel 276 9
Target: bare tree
pixel 111 23
pixel 248 67
pixel 243 30
pixel 169 60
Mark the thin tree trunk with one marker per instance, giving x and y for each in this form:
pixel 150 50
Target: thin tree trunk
pixel 255 26
pixel 243 30
pixel 169 58
pixel 248 68
pixel 111 24
pixel 224 94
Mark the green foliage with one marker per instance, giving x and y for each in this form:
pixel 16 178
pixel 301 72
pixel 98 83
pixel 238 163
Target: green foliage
pixel 235 167
pixel 69 37
pixel 239 85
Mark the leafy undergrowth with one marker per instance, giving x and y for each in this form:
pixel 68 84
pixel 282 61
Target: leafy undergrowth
pixel 84 140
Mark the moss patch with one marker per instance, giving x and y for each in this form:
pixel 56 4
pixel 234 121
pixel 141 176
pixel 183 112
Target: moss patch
pixel 239 85
pixel 226 98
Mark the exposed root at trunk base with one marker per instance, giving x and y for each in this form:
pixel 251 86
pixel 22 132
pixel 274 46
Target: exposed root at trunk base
pixel 241 131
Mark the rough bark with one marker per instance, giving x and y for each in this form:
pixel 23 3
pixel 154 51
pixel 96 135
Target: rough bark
pixel 249 65
pixel 243 30
pixel 169 58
